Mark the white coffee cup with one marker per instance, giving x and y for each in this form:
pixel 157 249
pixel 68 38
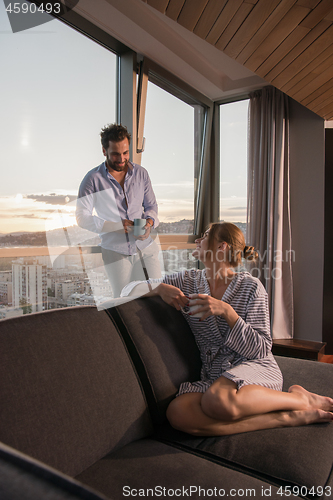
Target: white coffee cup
pixel 139 227
pixel 195 307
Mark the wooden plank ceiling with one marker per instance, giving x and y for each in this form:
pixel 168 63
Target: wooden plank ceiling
pixel 289 43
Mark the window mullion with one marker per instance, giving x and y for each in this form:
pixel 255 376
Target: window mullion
pixel 203 205
pixel 127 99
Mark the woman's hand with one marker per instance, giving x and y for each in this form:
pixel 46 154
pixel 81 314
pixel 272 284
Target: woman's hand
pixel 172 295
pixel 210 306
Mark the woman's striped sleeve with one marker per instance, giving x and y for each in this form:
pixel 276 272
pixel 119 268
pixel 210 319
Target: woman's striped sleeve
pixel 251 336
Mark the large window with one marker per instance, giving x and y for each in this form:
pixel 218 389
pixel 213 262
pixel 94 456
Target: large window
pixel 169 158
pixel 233 158
pixel 173 151
pixel 58 90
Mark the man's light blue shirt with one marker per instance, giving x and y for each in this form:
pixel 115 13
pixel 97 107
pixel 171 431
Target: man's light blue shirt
pixel 101 198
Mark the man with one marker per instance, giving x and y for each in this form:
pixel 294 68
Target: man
pixel 120 191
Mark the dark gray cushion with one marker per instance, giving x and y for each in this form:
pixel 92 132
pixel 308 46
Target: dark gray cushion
pixel 298 455
pixel 162 347
pixel 313 375
pixel 23 478
pixel 68 391
pixel 149 464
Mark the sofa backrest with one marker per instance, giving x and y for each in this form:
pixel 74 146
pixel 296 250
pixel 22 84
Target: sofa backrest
pixel 68 391
pixel 162 348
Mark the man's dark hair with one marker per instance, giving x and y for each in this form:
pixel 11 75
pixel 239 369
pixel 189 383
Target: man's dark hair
pixel 114 133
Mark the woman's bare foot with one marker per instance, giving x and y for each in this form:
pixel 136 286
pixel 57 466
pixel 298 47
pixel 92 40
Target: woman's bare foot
pixel 305 417
pixel 314 401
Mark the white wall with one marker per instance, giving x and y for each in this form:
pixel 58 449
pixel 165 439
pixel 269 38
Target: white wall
pixel 307 178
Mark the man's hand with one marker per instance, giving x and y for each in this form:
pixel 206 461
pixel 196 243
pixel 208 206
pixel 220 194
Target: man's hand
pixel 147 229
pixel 172 295
pixel 128 225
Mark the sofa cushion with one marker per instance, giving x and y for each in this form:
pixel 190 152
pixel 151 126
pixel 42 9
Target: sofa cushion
pixel 22 477
pixel 68 391
pixel 313 375
pixel 148 468
pixel 162 347
pixel 300 455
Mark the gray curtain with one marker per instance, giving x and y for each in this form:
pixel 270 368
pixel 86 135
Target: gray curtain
pixel 268 223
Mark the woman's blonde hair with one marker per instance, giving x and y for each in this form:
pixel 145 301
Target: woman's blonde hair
pixel 234 237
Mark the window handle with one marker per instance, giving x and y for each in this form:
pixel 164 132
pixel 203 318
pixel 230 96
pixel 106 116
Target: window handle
pixel 143 146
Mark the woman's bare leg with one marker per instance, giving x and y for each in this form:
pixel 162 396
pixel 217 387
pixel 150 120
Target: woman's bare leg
pixel 185 413
pixel 223 401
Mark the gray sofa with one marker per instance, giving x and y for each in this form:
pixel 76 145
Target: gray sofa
pixel 83 395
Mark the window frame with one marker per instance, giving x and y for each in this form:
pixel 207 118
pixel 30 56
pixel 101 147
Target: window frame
pixel 134 72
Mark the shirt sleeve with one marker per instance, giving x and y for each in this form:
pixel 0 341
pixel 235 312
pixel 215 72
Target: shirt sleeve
pixel 251 337
pixel 149 202
pixel 84 208
pixel 176 279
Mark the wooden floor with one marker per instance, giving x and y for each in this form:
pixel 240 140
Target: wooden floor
pixel 327 358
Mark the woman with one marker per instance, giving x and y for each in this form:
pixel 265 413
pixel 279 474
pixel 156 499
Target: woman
pixel 241 384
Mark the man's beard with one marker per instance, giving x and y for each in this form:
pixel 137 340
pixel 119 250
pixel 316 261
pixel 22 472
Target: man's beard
pixel 115 166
